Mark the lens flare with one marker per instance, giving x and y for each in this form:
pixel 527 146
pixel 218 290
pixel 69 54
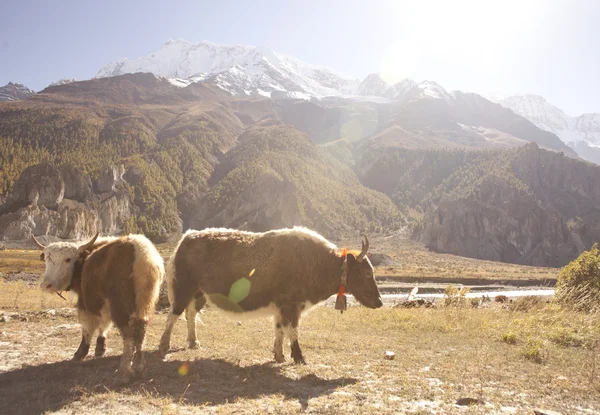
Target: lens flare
pixel 239 290
pixel 183 369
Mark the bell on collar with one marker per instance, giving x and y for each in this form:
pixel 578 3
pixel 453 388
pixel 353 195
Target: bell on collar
pixel 340 303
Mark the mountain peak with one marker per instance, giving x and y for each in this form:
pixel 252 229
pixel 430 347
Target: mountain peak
pixel 580 133
pixel 15 91
pixel 238 69
pixel 64 81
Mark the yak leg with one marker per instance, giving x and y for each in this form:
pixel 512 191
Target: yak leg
pixel 291 318
pixel 181 301
pixel 125 372
pixel 138 328
pixel 190 314
pixel 89 324
pixel 165 340
pixel 105 325
pixel 278 346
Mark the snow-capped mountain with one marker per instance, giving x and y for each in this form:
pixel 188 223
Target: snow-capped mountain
pixel 64 81
pixel 580 133
pixel 14 92
pixel 248 70
pixel 237 69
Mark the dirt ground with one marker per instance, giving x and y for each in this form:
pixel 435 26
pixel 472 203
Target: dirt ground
pixel 510 361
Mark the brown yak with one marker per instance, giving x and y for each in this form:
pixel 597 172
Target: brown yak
pixel 116 280
pixel 282 273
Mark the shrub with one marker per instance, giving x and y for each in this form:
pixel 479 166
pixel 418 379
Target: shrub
pixel 510 337
pixel 578 285
pixel 527 304
pixel 454 296
pixel 534 351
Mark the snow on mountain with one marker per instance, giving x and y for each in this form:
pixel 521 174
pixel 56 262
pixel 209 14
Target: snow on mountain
pixel 14 92
pixel 373 85
pixel 540 112
pixel 237 69
pixel 580 133
pixel 432 90
pixel 64 81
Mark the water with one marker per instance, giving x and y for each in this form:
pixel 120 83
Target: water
pixel 394 298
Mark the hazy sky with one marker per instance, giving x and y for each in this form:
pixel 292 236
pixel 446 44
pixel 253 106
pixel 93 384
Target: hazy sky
pixel 551 48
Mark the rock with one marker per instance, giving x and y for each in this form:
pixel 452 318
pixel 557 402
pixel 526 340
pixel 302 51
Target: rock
pixel 498 222
pixel 41 184
pixel 545 412
pixel 78 185
pixel 501 299
pixel 389 355
pixel 469 401
pixel 110 179
pixel 60 202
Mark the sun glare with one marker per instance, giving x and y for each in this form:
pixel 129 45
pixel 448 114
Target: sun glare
pixel 450 32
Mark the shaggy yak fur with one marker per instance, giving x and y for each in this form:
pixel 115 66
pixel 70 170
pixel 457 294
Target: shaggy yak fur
pixel 116 280
pixel 282 273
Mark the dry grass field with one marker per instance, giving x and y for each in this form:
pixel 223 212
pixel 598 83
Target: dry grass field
pixel 511 361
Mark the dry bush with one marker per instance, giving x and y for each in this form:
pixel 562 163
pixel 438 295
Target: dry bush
pixel 455 296
pixel 526 304
pixel 578 285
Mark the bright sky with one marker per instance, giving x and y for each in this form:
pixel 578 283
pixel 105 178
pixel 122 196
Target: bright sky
pixel 547 47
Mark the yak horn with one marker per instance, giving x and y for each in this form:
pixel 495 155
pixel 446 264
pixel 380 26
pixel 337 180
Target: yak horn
pixel 89 244
pixel 37 243
pixel 365 249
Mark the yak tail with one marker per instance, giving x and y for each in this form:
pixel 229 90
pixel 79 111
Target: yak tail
pixel 148 272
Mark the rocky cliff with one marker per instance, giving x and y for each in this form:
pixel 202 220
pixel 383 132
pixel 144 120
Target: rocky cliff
pixel 526 205
pixel 63 202
pixel 499 222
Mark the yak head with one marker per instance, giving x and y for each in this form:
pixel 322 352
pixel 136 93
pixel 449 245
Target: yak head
pixel 60 259
pixel 361 279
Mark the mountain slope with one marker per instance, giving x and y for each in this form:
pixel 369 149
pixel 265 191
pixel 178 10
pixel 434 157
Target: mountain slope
pixel 428 116
pixel 524 205
pixel 181 157
pixel 580 133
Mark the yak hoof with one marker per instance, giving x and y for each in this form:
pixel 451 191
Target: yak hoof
pixel 299 360
pixel 279 358
pixel 99 352
pixel 163 350
pixel 139 365
pixel 124 376
pixel 194 345
pixel 78 357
